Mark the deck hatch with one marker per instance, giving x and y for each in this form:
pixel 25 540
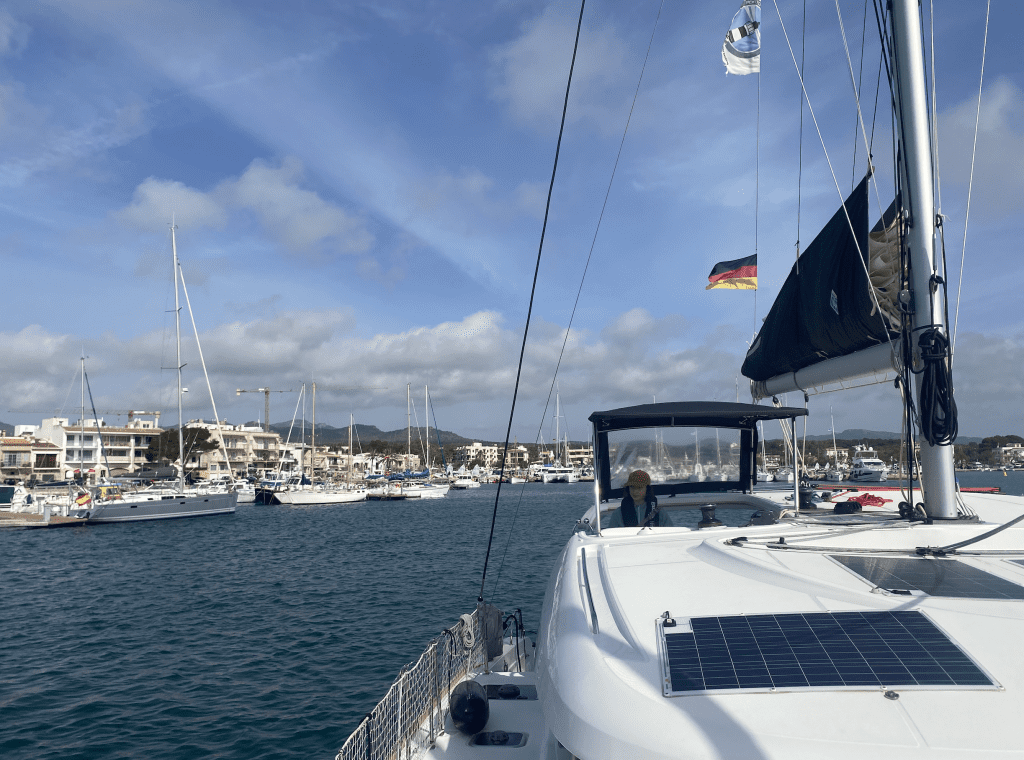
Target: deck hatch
pixel 860 650
pixel 935 577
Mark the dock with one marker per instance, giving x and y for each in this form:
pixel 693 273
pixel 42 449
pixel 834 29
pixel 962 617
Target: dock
pixel 30 520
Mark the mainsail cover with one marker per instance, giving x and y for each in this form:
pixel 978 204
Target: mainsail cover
pixel 825 308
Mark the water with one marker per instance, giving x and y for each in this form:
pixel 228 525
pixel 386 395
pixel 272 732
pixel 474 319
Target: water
pixel 269 633
pixel 265 634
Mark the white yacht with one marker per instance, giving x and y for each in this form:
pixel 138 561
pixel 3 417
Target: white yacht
pixel 426 490
pixel 884 625
pixel 557 473
pixel 868 470
pixel 311 495
pixel 815 630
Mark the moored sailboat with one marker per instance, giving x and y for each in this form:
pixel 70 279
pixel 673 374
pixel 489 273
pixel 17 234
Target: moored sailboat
pixel 111 505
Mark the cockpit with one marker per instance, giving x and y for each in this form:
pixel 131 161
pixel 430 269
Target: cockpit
pixel 689 455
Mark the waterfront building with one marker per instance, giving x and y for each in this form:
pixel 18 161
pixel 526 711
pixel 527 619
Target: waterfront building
pixel 250 451
pixel 840 456
pixel 24 458
pixel 96 449
pixel 1011 455
pixel 490 455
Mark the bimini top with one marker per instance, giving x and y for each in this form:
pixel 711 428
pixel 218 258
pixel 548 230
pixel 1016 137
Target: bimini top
pixel 691 413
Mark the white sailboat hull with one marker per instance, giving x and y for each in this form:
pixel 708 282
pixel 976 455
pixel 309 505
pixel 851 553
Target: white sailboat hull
pixel 312 497
pixel 432 491
pixel 136 508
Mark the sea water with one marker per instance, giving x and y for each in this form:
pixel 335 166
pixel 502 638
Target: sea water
pixel 269 633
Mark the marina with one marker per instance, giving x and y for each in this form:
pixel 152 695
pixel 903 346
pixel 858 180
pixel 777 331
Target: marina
pixel 677 562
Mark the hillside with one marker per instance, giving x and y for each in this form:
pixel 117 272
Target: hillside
pixel 327 434
pixel 856 435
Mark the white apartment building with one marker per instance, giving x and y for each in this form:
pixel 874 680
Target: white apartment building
pixel 250 450
pixel 490 455
pixel 837 455
pixel 1011 455
pixel 97 449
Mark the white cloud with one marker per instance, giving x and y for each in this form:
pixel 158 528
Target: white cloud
pixel 529 73
pixel 13 34
pixel 471 362
pixel 155 201
pixel 999 164
pixel 299 219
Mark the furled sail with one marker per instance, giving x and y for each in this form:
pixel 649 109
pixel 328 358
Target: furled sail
pixel 741 52
pixel 825 309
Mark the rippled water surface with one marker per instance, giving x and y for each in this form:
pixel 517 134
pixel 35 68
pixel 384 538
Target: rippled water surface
pixel 269 633
pixel 264 634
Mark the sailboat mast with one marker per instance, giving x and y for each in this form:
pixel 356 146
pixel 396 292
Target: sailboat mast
pixel 177 332
pixel 426 414
pixel 81 440
pixel 312 439
pixel 408 424
pixel 558 413
pixel 937 475
pixel 350 447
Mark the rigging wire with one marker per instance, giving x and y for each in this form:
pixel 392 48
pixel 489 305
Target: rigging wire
pixel 800 141
pixel 835 179
pixel 970 184
pixel 856 89
pixel 860 90
pixel 935 115
pixel 533 291
pixel 579 291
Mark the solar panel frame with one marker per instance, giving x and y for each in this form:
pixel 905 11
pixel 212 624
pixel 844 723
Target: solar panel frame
pixel 948 578
pixel 821 651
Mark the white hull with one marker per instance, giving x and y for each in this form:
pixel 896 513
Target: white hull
pixel 301 498
pixel 135 508
pixel 432 491
pixel 867 476
pixel 246 494
pixel 560 475
pixel 465 483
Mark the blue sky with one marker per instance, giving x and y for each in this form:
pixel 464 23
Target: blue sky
pixel 359 189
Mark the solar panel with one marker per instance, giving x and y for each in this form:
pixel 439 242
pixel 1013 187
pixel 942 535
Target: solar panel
pixel 815 650
pixel 935 577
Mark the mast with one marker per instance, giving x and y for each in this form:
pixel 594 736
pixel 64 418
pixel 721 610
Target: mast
pixel 835 452
pixel 408 424
pixel 312 445
pixel 350 448
pixel 426 413
pixel 928 298
pixel 558 440
pixel 81 442
pixel 177 331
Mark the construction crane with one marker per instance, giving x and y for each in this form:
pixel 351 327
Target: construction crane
pixel 266 408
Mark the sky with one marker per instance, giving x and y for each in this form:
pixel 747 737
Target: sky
pixel 359 193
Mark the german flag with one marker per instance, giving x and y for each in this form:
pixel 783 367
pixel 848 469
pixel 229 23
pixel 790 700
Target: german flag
pixel 739 274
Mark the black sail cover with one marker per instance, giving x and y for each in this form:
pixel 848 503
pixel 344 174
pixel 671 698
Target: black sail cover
pixel 824 309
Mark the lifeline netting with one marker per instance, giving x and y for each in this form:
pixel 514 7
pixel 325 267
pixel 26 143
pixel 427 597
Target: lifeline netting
pixel 411 715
